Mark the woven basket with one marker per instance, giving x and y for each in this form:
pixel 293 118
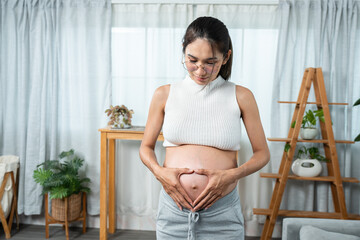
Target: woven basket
pixel 74 207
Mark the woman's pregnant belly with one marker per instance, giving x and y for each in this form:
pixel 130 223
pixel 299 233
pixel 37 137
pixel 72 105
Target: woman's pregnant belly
pixel 198 157
pixel 193 184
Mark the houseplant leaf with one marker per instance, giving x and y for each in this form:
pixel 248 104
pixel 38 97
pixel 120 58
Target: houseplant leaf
pixel 66 154
pixel 320 114
pixel 311 117
pixel 357 103
pixel 41 175
pixel 287 147
pixel 357 139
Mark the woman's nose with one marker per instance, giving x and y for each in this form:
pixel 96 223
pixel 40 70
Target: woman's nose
pixel 200 70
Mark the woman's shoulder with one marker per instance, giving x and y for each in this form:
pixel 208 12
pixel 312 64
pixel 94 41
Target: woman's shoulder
pixel 162 90
pixel 243 93
pixel 161 94
pixel 245 98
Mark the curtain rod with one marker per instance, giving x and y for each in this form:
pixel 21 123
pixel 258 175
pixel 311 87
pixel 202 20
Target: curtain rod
pixel 245 2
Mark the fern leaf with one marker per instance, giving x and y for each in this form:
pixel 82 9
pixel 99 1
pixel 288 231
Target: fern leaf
pixel 41 176
pixel 59 192
pixel 66 154
pixel 85 189
pixel 74 164
pixel 49 164
pixel 85 180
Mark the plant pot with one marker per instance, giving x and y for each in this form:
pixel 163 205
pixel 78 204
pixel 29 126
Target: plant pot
pixel 306 167
pixel 122 123
pixel 74 207
pixel 308 133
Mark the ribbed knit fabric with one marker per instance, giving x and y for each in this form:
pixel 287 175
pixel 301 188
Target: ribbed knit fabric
pixel 202 115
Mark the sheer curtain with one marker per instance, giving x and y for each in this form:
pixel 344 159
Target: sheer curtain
pixel 146 53
pixel 319 34
pixel 54 86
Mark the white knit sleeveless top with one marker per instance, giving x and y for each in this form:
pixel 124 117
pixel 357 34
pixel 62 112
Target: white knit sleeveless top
pixel 202 115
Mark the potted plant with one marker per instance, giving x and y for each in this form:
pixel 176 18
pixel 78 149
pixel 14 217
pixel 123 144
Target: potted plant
pixel 307 163
pixel 357 139
pixel 308 129
pixel 61 179
pixel 120 116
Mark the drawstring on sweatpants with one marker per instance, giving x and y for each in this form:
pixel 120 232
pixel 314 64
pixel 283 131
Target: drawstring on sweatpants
pixel 192 219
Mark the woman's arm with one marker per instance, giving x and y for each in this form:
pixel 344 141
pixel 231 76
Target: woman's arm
pixel 220 179
pixel 168 177
pixel 255 132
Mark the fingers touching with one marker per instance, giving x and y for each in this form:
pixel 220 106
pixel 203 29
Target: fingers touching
pixel 172 186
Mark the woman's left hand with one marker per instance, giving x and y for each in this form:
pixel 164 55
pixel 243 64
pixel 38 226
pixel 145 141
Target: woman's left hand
pixel 219 181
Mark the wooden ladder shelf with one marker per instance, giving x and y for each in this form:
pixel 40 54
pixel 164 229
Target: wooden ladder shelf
pixel 312 76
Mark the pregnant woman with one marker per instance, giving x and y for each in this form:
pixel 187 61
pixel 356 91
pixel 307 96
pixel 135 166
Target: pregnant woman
pixel 201 121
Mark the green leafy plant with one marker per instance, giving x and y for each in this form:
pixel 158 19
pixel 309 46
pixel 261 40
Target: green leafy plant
pixel 357 139
pixel 310 153
pixel 287 147
pixel 61 179
pixel 309 119
pixel 119 116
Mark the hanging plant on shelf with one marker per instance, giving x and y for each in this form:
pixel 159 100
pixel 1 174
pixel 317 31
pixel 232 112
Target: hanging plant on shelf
pixel 120 116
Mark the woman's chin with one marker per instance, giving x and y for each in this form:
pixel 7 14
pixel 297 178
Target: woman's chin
pixel 200 80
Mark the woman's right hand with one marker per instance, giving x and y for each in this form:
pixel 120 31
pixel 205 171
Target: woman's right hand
pixel 170 180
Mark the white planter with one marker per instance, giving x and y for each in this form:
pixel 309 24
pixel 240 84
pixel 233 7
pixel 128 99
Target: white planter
pixel 121 124
pixel 306 167
pixel 308 133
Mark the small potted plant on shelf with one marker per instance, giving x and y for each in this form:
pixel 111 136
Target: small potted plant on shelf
pixel 120 116
pixel 308 129
pixel 357 139
pixel 308 163
pixel 61 180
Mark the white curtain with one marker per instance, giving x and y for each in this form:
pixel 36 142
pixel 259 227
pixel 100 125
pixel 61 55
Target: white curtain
pixel 147 53
pixel 322 34
pixel 54 86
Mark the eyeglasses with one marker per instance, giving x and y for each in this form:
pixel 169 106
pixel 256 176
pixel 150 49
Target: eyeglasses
pixel 191 66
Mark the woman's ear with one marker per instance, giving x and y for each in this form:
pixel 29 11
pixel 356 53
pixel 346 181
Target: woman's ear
pixel 227 57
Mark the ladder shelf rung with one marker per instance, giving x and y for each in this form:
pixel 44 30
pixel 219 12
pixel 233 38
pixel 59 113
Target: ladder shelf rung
pixel 320 178
pixel 310 214
pixel 313 141
pixel 317 103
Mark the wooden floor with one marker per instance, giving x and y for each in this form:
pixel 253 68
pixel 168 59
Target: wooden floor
pixel 35 232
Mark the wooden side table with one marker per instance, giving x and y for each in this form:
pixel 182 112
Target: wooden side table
pixel 50 220
pixel 107 172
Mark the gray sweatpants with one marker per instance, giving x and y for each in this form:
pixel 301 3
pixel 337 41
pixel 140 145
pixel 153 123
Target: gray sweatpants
pixel 223 220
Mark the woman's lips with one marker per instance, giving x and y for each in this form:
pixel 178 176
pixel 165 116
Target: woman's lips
pixel 201 79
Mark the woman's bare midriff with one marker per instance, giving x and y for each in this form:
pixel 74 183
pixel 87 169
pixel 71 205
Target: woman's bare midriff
pixel 199 157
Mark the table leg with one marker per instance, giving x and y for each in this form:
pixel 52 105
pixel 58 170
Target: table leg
pixel 46 216
pixel 66 218
pixel 112 210
pixel 103 186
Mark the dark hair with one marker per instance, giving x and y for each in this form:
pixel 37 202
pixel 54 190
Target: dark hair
pixel 216 33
